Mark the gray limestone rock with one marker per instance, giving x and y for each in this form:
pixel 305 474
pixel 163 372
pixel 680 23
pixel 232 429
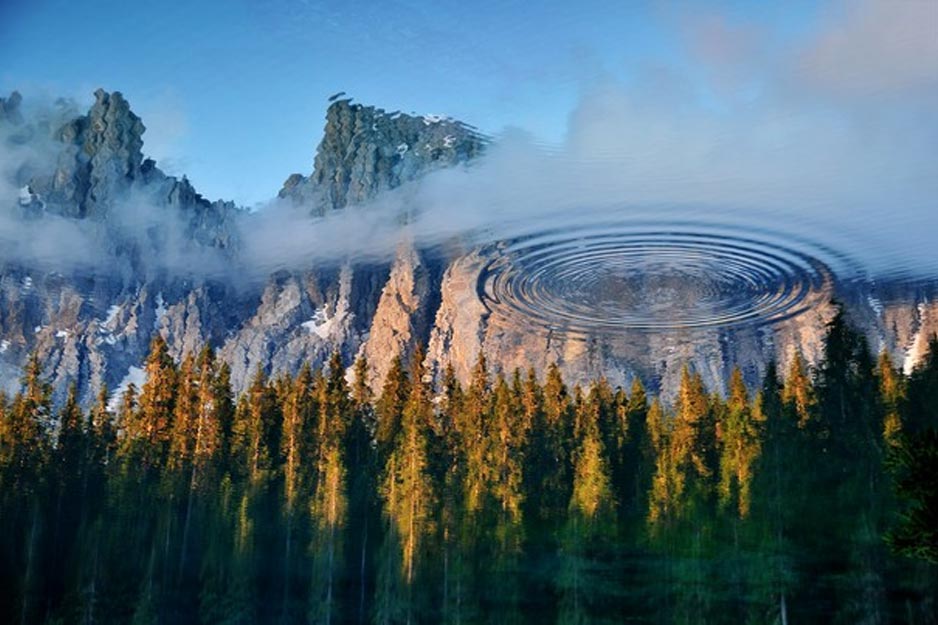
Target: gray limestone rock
pixel 365 150
pixel 10 109
pixel 95 329
pixel 101 158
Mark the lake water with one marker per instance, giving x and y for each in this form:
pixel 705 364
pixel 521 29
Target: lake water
pixel 649 170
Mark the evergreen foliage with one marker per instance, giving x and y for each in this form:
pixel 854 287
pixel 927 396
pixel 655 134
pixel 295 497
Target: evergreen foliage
pixel 308 499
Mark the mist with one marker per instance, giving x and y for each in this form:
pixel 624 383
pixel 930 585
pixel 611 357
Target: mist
pixel 835 140
pixel 831 138
pixel 139 238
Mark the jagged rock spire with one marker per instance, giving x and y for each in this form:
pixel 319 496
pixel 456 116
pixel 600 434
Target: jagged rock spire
pixel 365 150
pixel 103 158
pixel 10 108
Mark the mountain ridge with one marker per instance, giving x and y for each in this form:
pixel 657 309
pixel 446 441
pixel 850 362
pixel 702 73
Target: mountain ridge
pixel 95 329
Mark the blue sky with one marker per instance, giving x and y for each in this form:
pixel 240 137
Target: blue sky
pixel 233 92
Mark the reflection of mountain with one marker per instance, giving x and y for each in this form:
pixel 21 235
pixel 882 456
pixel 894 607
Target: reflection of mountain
pixel 92 326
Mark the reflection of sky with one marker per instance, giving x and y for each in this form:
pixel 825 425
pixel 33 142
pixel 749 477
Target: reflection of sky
pixel 233 91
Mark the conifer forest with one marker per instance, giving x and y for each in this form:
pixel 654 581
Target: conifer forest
pixel 515 498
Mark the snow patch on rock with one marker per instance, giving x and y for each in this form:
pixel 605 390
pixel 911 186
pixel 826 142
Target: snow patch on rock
pixel 112 313
pixel 916 349
pixel 160 310
pixel 324 326
pixel 320 325
pixel 135 376
pixel 106 327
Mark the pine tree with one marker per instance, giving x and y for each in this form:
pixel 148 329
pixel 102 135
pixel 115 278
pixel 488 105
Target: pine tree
pixel 850 435
pixel 923 391
pixel 592 503
pixel 147 434
pixel 846 384
pixel 914 466
pixel 668 482
pixel 362 483
pixel 550 442
pixel 892 393
pixel 253 466
pixel 24 464
pixel 774 502
pixel 407 486
pixel 100 451
pixel 27 428
pixel 255 432
pixel 692 440
pixel 70 447
pixel 185 415
pixel 7 442
pixel 103 430
pixel 297 455
pixel 448 465
pixel 508 433
pixel 591 512
pixel 197 439
pixel 329 504
pixel 504 497
pixel 390 407
pixel 798 391
pixel 474 424
pixel 36 396
pixel 638 460
pixel 299 419
pixel 213 405
pixel 225 409
pixel 914 461
pixel 740 448
pixel 690 473
pixel 71 450
pixel 607 408
pixel 126 410
pixel 363 398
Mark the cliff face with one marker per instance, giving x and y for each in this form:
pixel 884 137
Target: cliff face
pixel 365 150
pixel 93 328
pixel 899 321
pixel 102 158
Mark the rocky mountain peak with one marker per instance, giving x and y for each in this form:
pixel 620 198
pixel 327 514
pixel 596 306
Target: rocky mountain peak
pixel 365 150
pixel 161 264
pixel 10 108
pixel 103 156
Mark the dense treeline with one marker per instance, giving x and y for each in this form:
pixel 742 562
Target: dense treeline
pixel 511 499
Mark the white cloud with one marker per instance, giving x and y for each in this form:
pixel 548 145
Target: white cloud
pixel 869 46
pixel 860 166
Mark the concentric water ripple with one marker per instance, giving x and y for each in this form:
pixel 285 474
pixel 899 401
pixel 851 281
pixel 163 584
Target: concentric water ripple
pixel 613 278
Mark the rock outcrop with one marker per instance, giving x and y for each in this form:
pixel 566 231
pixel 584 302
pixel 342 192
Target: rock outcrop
pixel 10 109
pixel 365 150
pixel 94 329
pixel 401 320
pixel 102 157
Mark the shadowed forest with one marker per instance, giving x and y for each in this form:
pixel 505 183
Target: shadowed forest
pixel 513 499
